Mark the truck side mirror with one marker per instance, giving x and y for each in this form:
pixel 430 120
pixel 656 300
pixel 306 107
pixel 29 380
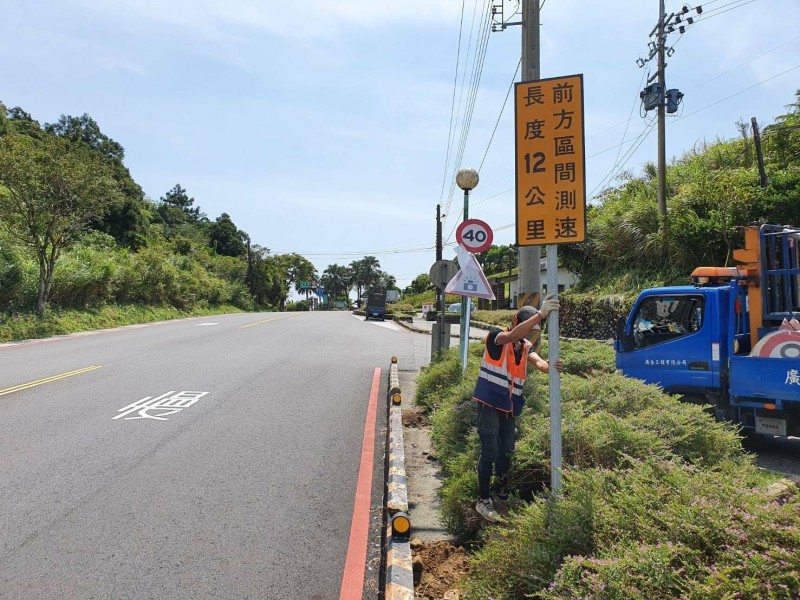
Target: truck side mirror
pixel 622 336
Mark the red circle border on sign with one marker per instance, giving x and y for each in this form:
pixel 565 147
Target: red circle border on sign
pixel 489 235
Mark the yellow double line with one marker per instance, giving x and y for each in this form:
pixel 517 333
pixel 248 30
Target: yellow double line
pixel 25 386
pixel 264 321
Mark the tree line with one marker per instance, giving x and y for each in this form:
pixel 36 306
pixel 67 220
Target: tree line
pixel 76 230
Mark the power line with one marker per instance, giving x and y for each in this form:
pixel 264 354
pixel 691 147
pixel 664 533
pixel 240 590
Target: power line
pixel 735 94
pixel 453 102
pixel 508 93
pixel 718 10
pixel 477 70
pixel 626 157
pixel 745 63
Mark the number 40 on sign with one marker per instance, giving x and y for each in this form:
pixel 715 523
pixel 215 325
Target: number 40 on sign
pixel 474 235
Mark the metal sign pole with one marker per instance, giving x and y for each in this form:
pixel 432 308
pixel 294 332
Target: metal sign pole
pixel 465 339
pixel 555 377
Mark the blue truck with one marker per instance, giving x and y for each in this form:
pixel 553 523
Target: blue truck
pixel 376 306
pixel 731 340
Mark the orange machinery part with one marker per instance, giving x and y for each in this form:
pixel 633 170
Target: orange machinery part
pixel 750 256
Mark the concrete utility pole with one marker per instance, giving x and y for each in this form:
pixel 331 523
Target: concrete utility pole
pixel 662 142
pixel 439 291
pixel 530 256
pixel 762 173
pixel 658 96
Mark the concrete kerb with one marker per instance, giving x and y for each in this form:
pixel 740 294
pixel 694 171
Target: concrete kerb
pixel 478 330
pixel 399 574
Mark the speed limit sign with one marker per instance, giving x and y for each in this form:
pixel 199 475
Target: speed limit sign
pixel 475 235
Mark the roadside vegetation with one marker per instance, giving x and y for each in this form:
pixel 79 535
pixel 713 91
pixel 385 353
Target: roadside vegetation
pixel 659 499
pixel 82 247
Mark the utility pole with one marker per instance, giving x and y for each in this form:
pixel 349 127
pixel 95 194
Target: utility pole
pixel 530 256
pixel 762 173
pixel 438 249
pixel 657 96
pixel 662 142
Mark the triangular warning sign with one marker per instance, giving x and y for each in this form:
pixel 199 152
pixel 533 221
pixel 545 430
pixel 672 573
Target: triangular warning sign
pixel 470 280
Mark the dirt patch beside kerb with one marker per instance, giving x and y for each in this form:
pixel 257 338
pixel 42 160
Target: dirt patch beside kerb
pixel 438 567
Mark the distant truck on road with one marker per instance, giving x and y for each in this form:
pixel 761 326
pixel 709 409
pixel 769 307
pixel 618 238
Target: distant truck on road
pixel 376 306
pixel 392 296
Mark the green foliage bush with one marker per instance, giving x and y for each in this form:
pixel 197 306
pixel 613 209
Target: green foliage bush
pixel 651 529
pixel 660 501
pixel 85 276
pixel 11 274
pixel 441 375
pixel 298 306
pixel 63 321
pixel 400 308
pixel 606 418
pixel 589 316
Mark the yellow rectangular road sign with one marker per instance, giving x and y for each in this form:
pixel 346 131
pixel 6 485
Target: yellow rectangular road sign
pixel 550 161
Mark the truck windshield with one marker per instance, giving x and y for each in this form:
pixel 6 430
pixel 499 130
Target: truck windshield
pixel 662 318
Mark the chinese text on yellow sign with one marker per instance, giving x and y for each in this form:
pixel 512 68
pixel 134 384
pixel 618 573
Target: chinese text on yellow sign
pixel 550 161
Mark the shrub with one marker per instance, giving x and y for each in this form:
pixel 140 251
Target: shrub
pixel 298 306
pixel 652 529
pixel 440 376
pixel 11 274
pixel 606 419
pixel 85 276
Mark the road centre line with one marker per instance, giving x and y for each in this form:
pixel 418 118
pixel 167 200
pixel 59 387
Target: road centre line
pixel 264 321
pixel 25 386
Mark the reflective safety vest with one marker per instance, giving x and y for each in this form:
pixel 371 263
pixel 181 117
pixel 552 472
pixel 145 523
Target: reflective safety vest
pixel 500 381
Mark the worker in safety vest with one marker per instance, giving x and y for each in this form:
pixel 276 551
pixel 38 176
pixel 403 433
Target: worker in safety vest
pixel 499 399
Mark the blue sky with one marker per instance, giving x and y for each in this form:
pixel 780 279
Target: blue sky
pixel 322 127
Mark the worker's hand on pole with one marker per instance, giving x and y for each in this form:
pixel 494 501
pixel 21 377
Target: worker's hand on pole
pixel 549 305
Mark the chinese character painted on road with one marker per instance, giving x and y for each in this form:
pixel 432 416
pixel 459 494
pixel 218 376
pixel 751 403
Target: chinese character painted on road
pixel 792 377
pixel 165 404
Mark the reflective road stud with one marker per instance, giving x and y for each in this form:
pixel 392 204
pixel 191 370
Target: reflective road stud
pixel 401 525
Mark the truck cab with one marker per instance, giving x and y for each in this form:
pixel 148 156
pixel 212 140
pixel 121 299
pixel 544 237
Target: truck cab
pixel 673 337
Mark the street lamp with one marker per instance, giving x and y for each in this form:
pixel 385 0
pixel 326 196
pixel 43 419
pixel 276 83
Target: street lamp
pixel 467 180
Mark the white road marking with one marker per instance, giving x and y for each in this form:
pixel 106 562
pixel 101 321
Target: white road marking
pixel 205 324
pixel 165 404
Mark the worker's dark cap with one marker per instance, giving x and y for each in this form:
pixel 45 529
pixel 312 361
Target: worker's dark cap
pixel 525 313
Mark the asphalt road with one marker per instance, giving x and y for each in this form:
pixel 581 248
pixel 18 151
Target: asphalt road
pixel 201 458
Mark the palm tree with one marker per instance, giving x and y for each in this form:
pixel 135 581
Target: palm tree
pixel 371 269
pixel 357 277
pixel 336 280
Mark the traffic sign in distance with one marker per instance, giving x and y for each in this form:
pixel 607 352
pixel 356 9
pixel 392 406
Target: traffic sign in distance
pixel 475 235
pixel 442 271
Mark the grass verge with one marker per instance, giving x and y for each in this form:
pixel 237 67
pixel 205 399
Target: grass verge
pixel 62 322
